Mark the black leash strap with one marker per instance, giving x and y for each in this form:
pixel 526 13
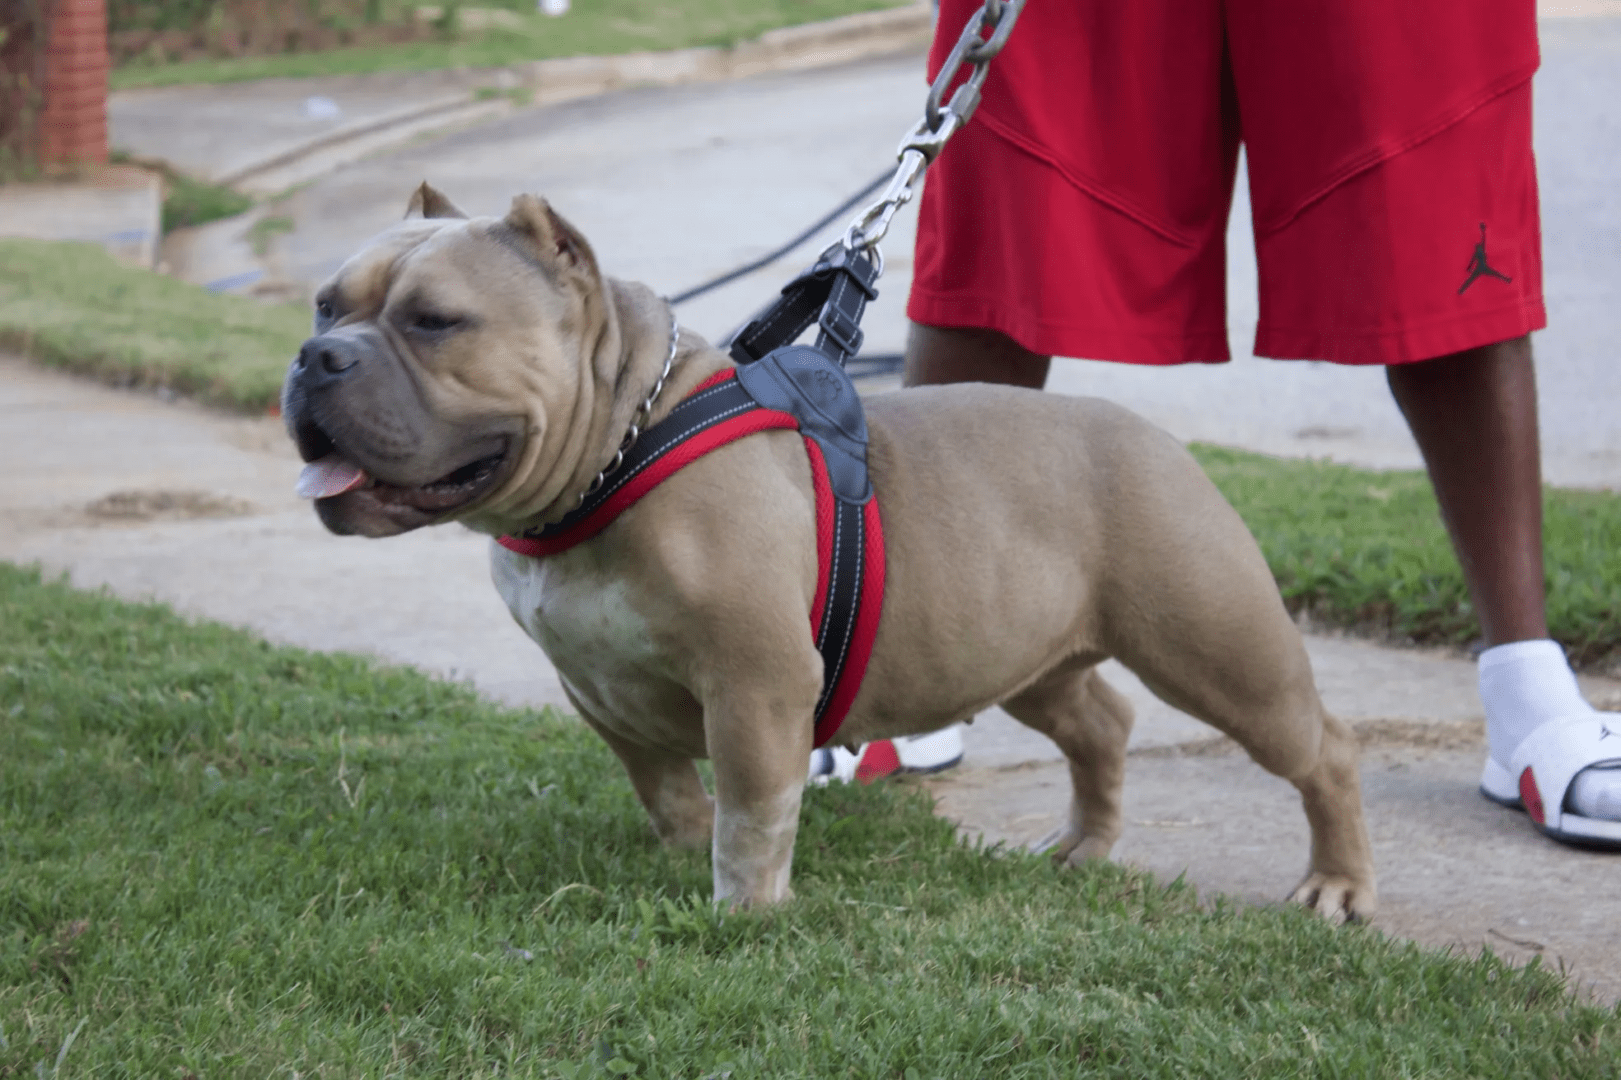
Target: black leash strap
pixel 833 293
pixel 772 256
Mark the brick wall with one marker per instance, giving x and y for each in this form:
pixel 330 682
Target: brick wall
pixel 73 119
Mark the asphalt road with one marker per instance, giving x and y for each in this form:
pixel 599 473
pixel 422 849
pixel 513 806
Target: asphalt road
pixel 672 186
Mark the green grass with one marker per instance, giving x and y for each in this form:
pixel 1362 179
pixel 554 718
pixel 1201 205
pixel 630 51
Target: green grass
pixel 187 200
pixel 220 858
pixel 264 232
pixel 1367 550
pixel 593 27
pixel 195 202
pixel 72 306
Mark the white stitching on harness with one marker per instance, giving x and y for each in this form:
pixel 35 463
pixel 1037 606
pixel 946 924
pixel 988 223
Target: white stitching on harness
pixel 707 422
pixel 835 298
pixel 718 388
pixel 855 605
pixel 832 578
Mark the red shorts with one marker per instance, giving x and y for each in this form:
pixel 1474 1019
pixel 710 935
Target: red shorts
pixel 1083 211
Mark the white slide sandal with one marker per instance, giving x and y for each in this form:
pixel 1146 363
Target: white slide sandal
pixel 1542 769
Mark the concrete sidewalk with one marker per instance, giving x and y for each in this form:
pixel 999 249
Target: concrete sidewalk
pixel 120 208
pixel 270 136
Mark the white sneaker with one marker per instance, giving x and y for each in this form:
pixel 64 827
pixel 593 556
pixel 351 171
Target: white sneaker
pixel 832 763
pixel 931 753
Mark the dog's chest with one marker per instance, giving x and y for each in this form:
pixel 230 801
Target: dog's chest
pixel 589 627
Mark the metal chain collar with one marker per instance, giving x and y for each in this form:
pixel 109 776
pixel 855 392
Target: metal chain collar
pixel 982 38
pixel 644 412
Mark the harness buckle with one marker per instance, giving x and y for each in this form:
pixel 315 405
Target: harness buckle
pixel 841 330
pixel 851 262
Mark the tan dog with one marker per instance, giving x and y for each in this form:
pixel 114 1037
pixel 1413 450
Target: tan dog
pixel 485 371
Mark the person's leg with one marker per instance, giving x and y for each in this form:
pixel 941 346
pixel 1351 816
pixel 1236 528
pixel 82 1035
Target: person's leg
pixel 938 354
pixel 1429 262
pixel 1474 416
pixel 1143 267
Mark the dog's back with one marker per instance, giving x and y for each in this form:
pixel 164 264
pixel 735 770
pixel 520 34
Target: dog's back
pixel 1027 528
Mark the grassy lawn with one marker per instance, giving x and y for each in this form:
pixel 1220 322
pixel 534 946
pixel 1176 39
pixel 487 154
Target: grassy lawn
pixel 222 858
pixel 194 202
pixel 1367 550
pixel 593 27
pixel 1357 548
pixel 72 306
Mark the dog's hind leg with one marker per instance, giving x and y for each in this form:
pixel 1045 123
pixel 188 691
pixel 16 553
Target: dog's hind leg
pixel 1288 732
pixel 1091 722
pixel 1340 882
pixel 1237 662
pixel 1189 604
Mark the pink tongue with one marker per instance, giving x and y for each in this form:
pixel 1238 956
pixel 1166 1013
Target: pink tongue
pixel 330 476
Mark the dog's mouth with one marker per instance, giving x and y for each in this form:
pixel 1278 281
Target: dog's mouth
pixel 329 473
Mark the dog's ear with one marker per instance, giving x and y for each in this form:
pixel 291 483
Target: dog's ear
pixel 429 202
pixel 555 242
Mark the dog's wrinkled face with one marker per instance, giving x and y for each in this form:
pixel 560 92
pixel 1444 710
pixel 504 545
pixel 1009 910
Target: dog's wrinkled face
pixel 446 356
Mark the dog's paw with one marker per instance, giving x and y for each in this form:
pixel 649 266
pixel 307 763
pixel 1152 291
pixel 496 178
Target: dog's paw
pixel 754 903
pixel 1337 898
pixel 1070 848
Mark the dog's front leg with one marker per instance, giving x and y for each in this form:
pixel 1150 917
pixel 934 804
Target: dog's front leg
pixel 761 744
pixel 669 788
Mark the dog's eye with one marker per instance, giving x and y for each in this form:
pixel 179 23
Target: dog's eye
pixel 434 324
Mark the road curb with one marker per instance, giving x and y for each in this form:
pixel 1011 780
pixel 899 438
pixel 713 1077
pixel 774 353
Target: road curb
pixel 344 146
pixel 788 49
pixel 283 158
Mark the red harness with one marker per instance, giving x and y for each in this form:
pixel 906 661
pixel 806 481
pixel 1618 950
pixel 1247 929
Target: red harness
pixel 849 536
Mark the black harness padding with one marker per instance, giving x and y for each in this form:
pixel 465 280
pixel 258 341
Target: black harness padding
pixel 812 387
pixel 844 586
pixel 811 384
pixel 833 292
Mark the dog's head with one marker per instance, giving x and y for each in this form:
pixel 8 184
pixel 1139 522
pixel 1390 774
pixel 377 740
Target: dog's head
pixel 456 370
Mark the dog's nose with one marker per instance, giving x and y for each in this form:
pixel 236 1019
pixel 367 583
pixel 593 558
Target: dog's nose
pixel 327 356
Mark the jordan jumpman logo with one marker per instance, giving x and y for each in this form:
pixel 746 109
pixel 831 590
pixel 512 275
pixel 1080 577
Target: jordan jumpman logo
pixel 1478 266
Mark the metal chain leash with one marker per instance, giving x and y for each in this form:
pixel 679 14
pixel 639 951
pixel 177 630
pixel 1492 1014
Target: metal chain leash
pixel 982 38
